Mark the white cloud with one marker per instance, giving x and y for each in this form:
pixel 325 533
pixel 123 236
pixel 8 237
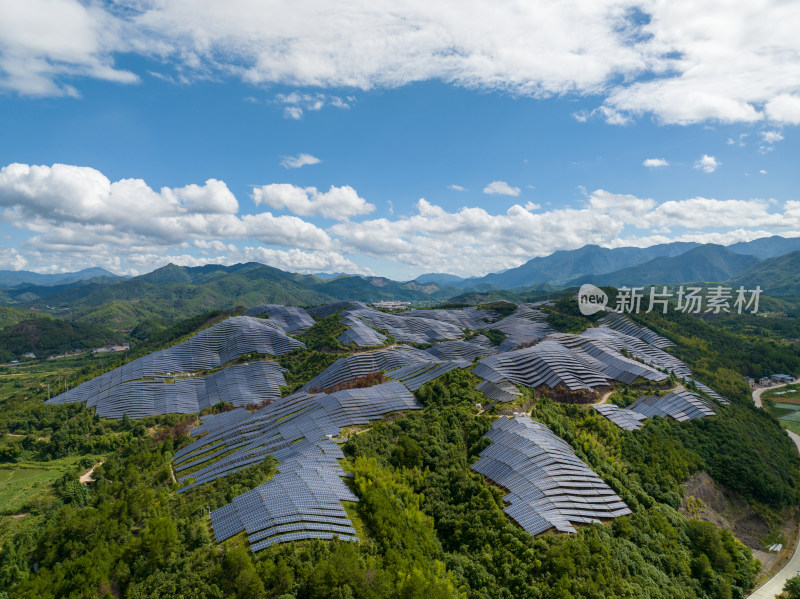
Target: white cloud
pixel 655 162
pixel 299 160
pixel 784 108
pixel 456 188
pixel 472 241
pixel 707 164
pixel 740 141
pixel 338 202
pixel 293 112
pixel 771 137
pixel 763 172
pixel 67 206
pixel 11 259
pixel 501 188
pixel 683 62
pixel 295 103
pixel 701 213
pixel 44 41
pixel 76 217
pixel 624 207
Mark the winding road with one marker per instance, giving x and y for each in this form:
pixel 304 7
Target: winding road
pixel 774 586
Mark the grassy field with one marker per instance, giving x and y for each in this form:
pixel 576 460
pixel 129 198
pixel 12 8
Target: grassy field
pixel 792 426
pixel 26 481
pixel 27 382
pixel 789 394
pixel 779 412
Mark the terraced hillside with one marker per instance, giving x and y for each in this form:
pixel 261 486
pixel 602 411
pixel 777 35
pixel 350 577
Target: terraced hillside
pixel 451 452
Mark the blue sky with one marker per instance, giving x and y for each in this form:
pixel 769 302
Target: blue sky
pixel 393 142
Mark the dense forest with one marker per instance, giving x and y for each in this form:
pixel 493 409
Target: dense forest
pixel 45 336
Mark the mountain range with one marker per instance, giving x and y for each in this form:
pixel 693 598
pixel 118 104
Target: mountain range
pixel 172 292
pixel 566 267
pixel 14 278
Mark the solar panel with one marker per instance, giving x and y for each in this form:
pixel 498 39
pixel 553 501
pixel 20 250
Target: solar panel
pixel 549 486
pixel 547 364
pixel 298 431
pixel 680 405
pixel 623 324
pixel 364 363
pixel 163 382
pixel 407 328
pixel 289 319
pixel 625 419
pixel 710 392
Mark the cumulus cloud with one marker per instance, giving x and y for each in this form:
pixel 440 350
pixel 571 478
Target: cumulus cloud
pixel 42 42
pixel 69 208
pixel 295 104
pixel 683 62
pixel 473 241
pixel 299 160
pixel 769 138
pixel 456 188
pixel 11 259
pixel 501 188
pixel 338 203
pixel 76 217
pixel 707 164
pixel 784 108
pixel 655 162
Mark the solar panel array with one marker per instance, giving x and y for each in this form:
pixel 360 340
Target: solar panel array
pixel 623 324
pixel 638 349
pixel 137 388
pixel 680 405
pixel 457 350
pixel 362 364
pixel 417 374
pixel 625 419
pixel 711 393
pixel 467 318
pixel 304 499
pixel 526 325
pixel 213 422
pixel 289 319
pixel 328 309
pixel 608 360
pixel 484 342
pixel 240 385
pixel 412 329
pixel 244 384
pixel 294 420
pixel 359 333
pixel 549 486
pixel 498 392
pixel 548 363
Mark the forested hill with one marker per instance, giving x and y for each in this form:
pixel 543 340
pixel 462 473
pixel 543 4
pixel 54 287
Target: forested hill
pixel 777 276
pixel 428 525
pixel 44 336
pixel 171 292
